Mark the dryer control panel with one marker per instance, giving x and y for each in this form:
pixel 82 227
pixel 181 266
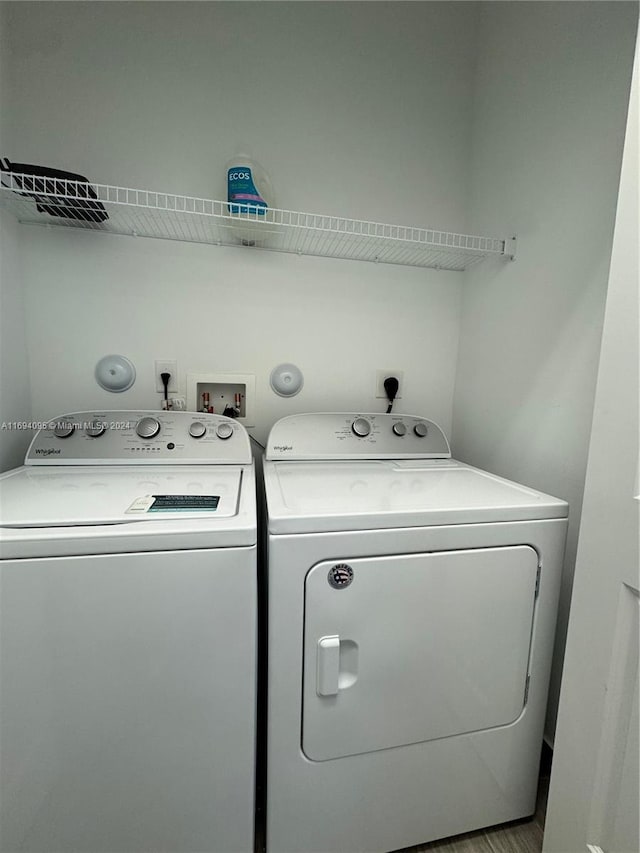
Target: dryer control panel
pixel 140 438
pixel 331 435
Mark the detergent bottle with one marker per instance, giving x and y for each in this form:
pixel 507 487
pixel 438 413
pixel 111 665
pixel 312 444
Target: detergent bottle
pixel 249 197
pixel 249 189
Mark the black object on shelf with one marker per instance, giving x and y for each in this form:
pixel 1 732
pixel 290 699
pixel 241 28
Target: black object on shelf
pixel 29 180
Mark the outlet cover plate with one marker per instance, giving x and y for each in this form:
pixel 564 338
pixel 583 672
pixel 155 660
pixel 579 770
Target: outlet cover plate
pixel 166 366
pixel 381 375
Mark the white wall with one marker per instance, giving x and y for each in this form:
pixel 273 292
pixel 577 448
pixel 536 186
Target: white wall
pixel 15 398
pixel 552 89
pixel 357 109
pixel 228 310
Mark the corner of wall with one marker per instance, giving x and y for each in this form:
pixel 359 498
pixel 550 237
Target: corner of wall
pixel 15 395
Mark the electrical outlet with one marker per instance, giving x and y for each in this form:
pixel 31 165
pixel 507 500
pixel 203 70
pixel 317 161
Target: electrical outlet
pixel 381 375
pixel 167 367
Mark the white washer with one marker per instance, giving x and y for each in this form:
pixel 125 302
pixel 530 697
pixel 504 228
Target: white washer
pixel 411 613
pixel 128 580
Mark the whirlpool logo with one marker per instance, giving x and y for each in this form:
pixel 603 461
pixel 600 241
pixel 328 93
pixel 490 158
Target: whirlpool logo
pixel 283 447
pixel 49 451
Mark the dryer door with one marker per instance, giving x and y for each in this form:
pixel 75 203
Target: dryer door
pixel 410 648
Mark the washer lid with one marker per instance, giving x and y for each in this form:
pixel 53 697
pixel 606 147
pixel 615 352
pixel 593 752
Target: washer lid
pixel 94 495
pixel 310 497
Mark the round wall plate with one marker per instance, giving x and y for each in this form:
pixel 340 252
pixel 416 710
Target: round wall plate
pixel 115 373
pixel 286 380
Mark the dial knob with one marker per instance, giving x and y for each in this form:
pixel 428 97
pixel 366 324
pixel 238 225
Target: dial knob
pixel 400 428
pixel 147 427
pixel 224 431
pixel 95 429
pixel 420 430
pixel 63 429
pixel 197 429
pixel 361 427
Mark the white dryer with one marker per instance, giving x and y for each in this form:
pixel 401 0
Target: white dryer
pixel 411 610
pixel 128 629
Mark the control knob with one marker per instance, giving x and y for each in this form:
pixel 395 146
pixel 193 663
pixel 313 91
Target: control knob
pixel 400 428
pixel 197 429
pixel 147 427
pixel 96 429
pixel 224 431
pixel 420 430
pixel 361 427
pixel 63 429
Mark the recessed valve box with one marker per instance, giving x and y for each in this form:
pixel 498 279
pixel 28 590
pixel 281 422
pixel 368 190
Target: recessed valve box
pixel 231 394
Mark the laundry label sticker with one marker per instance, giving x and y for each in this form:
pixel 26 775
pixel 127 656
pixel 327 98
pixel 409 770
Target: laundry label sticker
pixel 175 503
pixel 141 504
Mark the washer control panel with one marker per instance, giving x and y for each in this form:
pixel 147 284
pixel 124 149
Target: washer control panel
pixel 140 437
pixel 331 435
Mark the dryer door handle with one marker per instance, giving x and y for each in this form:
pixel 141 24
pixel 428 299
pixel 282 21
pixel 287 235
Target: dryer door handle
pixel 328 666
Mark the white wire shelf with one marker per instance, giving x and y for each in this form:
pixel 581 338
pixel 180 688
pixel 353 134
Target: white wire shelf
pixel 142 213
